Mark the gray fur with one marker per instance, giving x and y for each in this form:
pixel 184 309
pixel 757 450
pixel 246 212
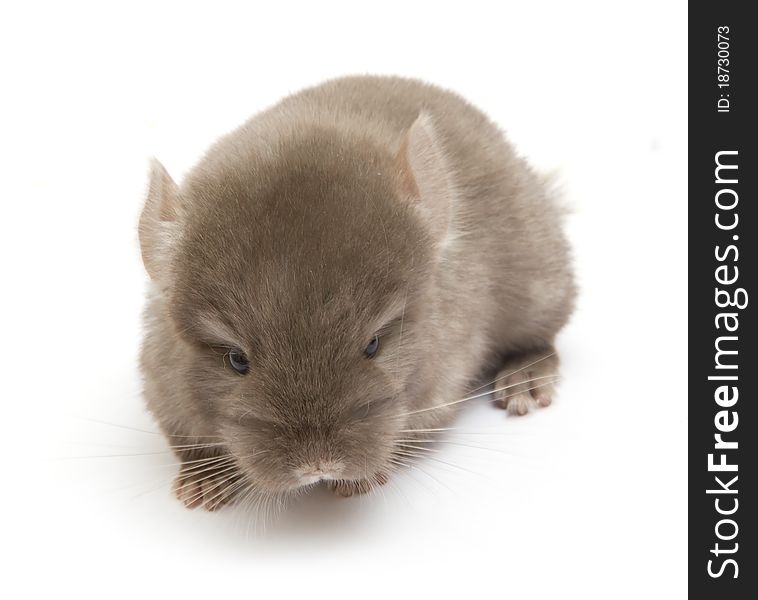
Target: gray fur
pixel 363 205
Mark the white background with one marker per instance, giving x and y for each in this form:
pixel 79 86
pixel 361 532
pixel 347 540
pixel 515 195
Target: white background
pixel 585 499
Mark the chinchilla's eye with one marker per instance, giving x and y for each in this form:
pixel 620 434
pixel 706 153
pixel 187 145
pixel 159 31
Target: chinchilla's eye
pixel 372 348
pixel 238 360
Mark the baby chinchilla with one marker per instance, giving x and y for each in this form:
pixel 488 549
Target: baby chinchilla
pixel 332 278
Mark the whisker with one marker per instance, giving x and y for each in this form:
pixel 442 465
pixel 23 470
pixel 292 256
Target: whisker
pixel 207 460
pixel 474 397
pixel 200 495
pixel 454 443
pixel 429 430
pixel 444 462
pixel 507 387
pixel 183 476
pixel 409 453
pixel 111 455
pixel 423 455
pixel 454 431
pixel 217 462
pixel 232 489
pixel 417 447
pixel 162 482
pixel 98 444
pixel 439 460
pixel 91 420
pixel 198 469
pixel 529 389
pixel 184 448
pixel 214 471
pixel 511 373
pixel 188 447
pixel 433 478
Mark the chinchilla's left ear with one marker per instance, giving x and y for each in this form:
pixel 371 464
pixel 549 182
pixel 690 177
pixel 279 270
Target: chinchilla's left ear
pixel 159 223
pixel 424 176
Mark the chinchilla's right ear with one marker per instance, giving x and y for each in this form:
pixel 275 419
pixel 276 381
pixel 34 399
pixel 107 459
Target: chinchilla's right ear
pixel 159 223
pixel 425 178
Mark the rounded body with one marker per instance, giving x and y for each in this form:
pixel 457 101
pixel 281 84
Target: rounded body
pixel 364 205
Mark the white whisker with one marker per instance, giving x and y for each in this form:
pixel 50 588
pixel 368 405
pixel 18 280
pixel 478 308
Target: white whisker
pixel 474 397
pixel 511 373
pixel 173 435
pixel 216 469
pixel 206 501
pixel 412 447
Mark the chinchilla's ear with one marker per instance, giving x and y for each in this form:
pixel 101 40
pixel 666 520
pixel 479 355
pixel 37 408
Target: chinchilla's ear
pixel 159 223
pixel 424 176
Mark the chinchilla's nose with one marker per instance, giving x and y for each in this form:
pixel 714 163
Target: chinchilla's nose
pixel 318 470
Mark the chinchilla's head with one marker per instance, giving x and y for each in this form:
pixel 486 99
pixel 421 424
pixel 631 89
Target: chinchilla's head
pixel 300 285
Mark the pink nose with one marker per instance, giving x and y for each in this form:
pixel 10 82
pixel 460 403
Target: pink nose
pixel 313 472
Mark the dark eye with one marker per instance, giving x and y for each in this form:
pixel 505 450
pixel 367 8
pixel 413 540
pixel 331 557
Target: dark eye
pixel 373 347
pixel 238 360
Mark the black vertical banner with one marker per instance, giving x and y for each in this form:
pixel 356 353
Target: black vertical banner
pixel 723 301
